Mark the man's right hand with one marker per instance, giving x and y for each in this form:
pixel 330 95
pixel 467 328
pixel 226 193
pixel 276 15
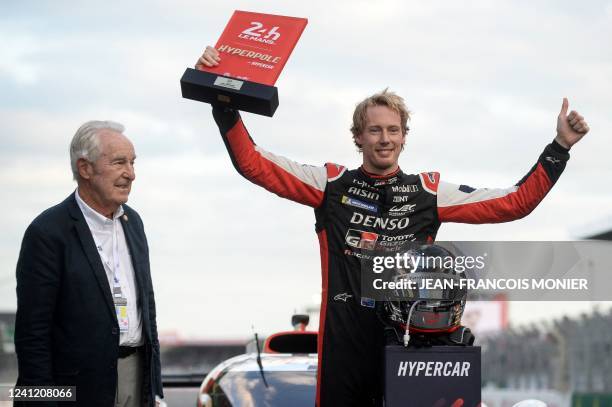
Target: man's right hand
pixel 209 58
pixel 570 128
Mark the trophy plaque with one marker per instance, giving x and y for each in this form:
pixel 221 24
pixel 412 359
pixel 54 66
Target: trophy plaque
pixel 254 48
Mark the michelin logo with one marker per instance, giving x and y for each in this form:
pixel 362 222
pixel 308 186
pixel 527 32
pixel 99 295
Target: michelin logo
pixel 359 204
pixel 442 369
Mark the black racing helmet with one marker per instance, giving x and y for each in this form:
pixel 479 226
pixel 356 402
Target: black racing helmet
pixel 433 308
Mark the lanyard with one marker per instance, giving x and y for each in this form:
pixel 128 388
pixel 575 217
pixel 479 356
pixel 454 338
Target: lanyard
pixel 115 265
pixel 119 299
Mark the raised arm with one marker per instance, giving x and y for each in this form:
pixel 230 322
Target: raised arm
pixel 286 178
pixel 461 203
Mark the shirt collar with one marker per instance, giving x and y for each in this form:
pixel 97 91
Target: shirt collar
pixel 95 218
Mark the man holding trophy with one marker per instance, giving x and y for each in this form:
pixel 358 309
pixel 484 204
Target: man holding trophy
pixel 376 201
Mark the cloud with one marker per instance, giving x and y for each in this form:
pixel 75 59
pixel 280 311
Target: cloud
pixel 484 79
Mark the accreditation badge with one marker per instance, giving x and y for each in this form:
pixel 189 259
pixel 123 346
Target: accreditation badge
pixel 122 314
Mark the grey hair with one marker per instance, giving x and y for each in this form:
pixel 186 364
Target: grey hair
pixel 86 143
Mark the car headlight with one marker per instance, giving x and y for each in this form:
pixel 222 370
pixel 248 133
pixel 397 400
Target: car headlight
pixel 205 400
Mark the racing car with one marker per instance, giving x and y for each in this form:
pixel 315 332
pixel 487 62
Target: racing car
pixel 284 373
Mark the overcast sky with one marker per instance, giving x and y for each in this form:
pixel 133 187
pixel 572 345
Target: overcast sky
pixel 484 79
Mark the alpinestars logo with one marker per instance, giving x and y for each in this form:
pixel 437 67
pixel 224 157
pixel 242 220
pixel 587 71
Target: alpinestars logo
pixel 553 160
pixel 400 210
pixel 256 31
pixel 342 297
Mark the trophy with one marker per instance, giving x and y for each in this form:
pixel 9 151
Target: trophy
pixel 254 48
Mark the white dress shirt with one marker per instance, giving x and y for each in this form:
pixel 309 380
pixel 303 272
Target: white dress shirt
pixel 102 230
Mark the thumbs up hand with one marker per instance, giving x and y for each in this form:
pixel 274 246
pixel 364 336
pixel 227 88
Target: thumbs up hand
pixel 570 127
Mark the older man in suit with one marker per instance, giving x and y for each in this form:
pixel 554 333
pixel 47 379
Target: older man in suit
pixel 85 305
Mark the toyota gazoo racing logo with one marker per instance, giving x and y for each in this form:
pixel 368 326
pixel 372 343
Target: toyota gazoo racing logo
pixel 400 210
pixel 372 241
pixel 361 240
pixel 256 33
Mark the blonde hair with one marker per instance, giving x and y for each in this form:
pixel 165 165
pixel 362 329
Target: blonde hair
pixel 384 98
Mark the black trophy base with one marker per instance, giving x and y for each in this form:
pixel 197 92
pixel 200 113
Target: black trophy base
pixel 433 376
pixel 221 90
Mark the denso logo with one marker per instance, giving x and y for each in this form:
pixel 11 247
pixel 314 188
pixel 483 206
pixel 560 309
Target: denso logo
pixel 379 223
pixel 257 30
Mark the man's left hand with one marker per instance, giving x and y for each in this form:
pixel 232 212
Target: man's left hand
pixel 570 127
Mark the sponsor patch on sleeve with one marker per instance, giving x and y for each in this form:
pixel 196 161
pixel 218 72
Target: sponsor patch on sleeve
pixel 368 302
pixel 467 189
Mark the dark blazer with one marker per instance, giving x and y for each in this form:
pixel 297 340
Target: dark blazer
pixel 66 330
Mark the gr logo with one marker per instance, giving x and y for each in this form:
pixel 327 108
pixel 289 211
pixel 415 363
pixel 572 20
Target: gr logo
pixel 361 239
pixel 257 30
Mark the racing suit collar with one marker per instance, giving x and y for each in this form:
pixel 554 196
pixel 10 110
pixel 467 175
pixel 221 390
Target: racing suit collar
pixel 380 177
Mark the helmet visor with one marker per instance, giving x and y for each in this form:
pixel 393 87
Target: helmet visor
pixel 428 287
